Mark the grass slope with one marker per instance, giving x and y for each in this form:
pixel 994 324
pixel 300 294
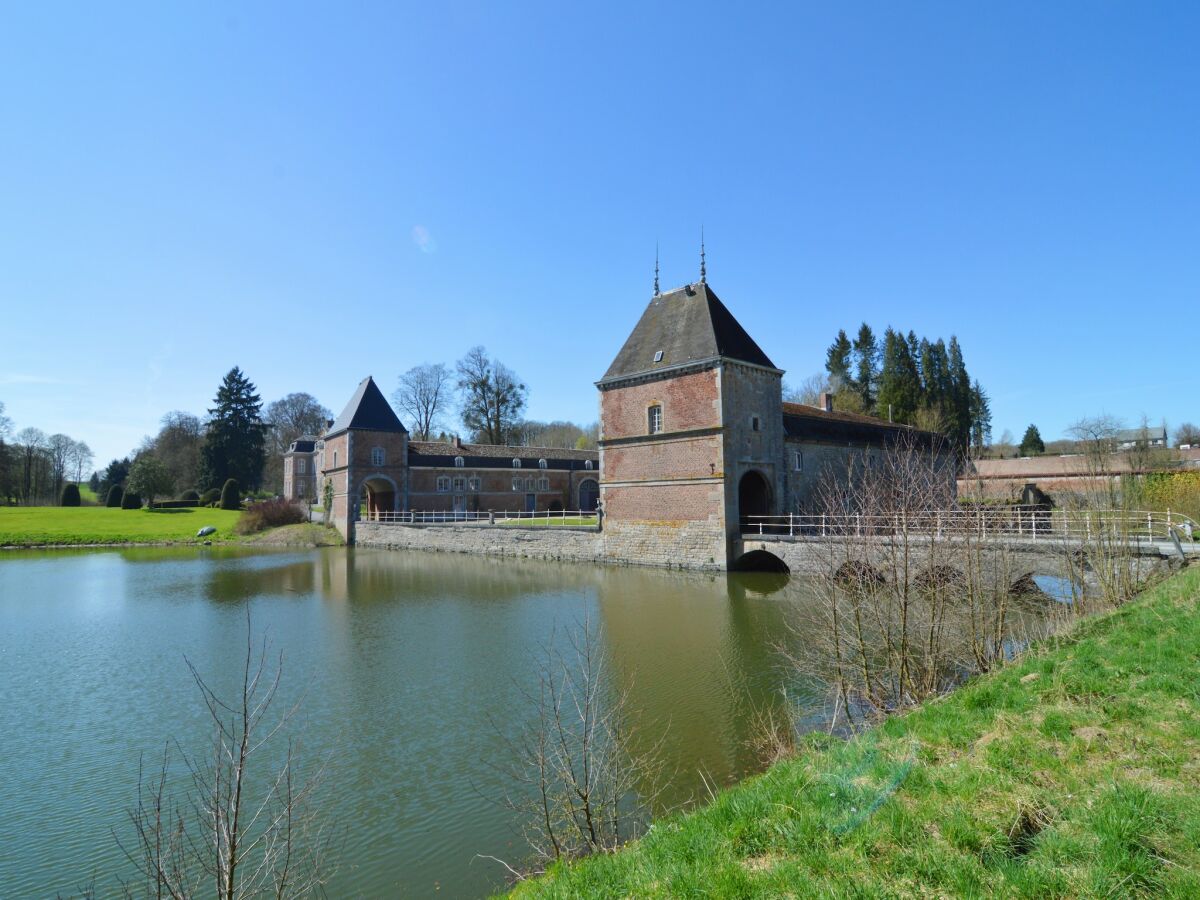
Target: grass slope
pixel 32 526
pixel 1075 772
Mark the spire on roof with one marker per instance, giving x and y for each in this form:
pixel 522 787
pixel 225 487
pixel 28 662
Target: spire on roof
pixel 703 279
pixel 656 291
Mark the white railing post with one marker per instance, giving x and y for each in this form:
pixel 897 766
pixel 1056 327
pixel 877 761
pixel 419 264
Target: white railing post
pixel 791 525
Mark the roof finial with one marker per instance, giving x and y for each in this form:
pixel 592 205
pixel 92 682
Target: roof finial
pixel 656 268
pixel 702 272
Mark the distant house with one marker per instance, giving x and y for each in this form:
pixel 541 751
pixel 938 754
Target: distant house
pixel 1150 436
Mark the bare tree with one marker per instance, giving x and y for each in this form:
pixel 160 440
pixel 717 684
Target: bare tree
pixel 809 390
pixel 287 419
pixel 424 395
pixel 81 458
pixel 1185 433
pixel 580 788
pixel 59 447
pixel 30 444
pixel 1096 438
pixel 491 398
pixel 238 831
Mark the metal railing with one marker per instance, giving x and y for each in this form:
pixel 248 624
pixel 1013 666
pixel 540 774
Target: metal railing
pixel 565 518
pixel 1034 524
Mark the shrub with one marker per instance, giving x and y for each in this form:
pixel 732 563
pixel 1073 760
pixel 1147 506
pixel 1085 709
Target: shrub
pixel 269 514
pixel 115 494
pixel 209 497
pixel 230 498
pixel 70 495
pixel 190 495
pixel 131 500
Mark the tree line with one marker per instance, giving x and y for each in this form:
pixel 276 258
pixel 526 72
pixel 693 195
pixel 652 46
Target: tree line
pixel 35 467
pixel 910 380
pixel 487 398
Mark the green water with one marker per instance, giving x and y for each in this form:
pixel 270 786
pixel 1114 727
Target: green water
pixel 405 663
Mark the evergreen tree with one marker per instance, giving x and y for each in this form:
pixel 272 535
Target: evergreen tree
pixel 233 446
pixel 981 418
pixel 899 382
pixel 959 405
pixel 914 356
pixel 837 362
pixel 867 374
pixel 1032 443
pixel 70 494
pixel 115 494
pixel 230 495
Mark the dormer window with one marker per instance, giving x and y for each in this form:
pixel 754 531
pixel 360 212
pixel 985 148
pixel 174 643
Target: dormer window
pixel 587 463
pixel 377 456
pixel 654 419
pixel 541 464
pixel 658 355
pixel 459 462
pixel 516 464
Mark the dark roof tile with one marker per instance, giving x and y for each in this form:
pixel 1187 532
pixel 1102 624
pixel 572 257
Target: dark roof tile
pixel 368 410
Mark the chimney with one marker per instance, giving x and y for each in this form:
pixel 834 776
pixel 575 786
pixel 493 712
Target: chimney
pixel 825 401
pixel 458 442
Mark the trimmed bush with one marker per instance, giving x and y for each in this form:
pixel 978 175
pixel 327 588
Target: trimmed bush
pixel 190 495
pixel 70 495
pixel 269 514
pixel 131 500
pixel 209 497
pixel 115 494
pixel 231 495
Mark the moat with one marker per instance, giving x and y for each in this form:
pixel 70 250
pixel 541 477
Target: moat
pixel 407 664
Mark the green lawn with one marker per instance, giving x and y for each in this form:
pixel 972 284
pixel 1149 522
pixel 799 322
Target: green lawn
pixel 549 522
pixel 86 494
pixel 1073 773
pixel 38 525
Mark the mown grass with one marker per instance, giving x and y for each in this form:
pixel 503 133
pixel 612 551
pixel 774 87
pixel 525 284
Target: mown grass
pixel 550 522
pixel 33 526
pixel 1073 773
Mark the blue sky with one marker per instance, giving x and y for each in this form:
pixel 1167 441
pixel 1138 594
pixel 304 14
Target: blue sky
pixel 318 193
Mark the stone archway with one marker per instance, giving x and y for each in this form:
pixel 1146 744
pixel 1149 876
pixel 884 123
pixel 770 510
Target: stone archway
pixel 377 494
pixel 589 495
pixel 754 497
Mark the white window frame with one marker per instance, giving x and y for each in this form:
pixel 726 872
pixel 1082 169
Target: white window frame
pixel 530 485
pixel 654 419
pixel 460 484
pixel 301 466
pixel 544 483
pixel 459 462
pixel 378 457
pixel 516 463
pixel 797 460
pixel 541 464
pixel 474 483
pixel 518 483
pixel 587 464
pixel 443 484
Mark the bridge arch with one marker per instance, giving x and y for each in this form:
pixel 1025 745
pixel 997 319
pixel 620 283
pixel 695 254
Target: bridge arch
pixel 760 561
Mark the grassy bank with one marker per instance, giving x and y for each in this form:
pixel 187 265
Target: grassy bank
pixel 33 526
pixel 1075 772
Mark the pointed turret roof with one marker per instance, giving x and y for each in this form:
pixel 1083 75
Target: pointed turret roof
pixel 368 410
pixel 689 324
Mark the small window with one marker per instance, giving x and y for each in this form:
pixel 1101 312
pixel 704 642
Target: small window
pixel 443 483
pixel 541 464
pixel 797 461
pixel 654 419
pixel 300 489
pixel 516 464
pixel 459 462
pixel 587 463
pixel 460 484
pixel 377 456
pixel 301 466
pixel 518 484
pixel 658 356
pixel 335 459
pixel 754 423
pixel 531 483
pixel 473 484
pixel 543 483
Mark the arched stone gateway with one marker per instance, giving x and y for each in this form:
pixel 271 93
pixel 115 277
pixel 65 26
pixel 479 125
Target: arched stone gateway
pixel 754 497
pixel 589 494
pixel 760 561
pixel 377 494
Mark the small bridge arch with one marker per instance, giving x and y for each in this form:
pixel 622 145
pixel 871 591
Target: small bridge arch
pixel 760 561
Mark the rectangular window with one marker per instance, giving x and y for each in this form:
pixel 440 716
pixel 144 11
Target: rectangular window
pixel 443 483
pixel 473 484
pixel 300 489
pixel 797 461
pixel 531 484
pixel 754 423
pixel 518 484
pixel 301 466
pixel 543 484
pixel 460 484
pixel 377 456
pixel 655 419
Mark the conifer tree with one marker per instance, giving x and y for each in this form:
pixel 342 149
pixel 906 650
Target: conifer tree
pixel 899 382
pixel 233 446
pixel 981 418
pixel 867 373
pixel 1032 443
pixel 837 362
pixel 960 398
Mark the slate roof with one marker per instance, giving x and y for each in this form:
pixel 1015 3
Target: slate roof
pixel 306 443
pixel 368 410
pixel 687 324
pixel 498 451
pixel 802 421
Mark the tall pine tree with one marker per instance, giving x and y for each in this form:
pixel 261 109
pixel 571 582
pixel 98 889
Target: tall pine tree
pixel 837 362
pixel 899 381
pixel 866 375
pixel 233 446
pixel 959 399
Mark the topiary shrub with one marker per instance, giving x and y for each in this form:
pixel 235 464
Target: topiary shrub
pixel 269 514
pixel 209 497
pixel 70 495
pixel 190 495
pixel 230 495
pixel 115 494
pixel 131 500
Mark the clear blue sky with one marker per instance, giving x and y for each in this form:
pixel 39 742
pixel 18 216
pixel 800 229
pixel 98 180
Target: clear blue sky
pixel 321 193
